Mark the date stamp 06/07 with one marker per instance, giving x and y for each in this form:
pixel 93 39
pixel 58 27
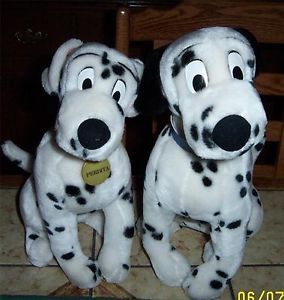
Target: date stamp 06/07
pixel 263 295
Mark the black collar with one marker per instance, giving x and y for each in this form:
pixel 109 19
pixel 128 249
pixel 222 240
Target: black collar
pixel 177 133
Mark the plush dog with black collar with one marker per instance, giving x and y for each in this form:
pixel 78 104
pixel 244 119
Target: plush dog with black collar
pixel 81 167
pixel 201 166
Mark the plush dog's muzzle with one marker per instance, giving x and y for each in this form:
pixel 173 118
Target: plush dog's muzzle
pixel 93 134
pixel 231 133
pixel 94 130
pixel 228 120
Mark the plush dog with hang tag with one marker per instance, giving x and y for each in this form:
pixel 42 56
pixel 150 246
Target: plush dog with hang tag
pixel 201 166
pixel 81 167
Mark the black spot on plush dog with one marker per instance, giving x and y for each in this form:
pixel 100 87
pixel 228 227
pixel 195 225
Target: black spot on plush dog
pixel 81 164
pixel 204 165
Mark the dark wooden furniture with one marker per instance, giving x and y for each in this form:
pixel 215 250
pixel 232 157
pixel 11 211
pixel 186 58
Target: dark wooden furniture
pixel 31 31
pixel 263 18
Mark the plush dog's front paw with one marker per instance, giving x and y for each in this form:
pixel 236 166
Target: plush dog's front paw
pixel 171 269
pixel 113 269
pixel 203 284
pixel 85 276
pixel 115 273
pixel 39 252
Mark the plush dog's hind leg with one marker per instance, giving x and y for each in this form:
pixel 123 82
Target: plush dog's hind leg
pixel 170 266
pixel 37 243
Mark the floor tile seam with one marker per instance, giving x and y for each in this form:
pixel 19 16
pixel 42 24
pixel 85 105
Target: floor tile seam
pixel 150 266
pixel 270 190
pixel 9 188
pixel 194 266
pixel 263 265
pixel 26 265
pixel 139 265
pixel 231 289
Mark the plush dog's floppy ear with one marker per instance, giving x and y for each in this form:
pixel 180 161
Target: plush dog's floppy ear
pixel 150 99
pixel 254 45
pixel 51 76
pixel 138 65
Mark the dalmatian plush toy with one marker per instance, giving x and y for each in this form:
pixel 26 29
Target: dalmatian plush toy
pixel 81 166
pixel 201 166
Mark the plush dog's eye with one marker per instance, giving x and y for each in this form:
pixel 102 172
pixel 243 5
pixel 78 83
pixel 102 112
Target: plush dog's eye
pixel 118 91
pixel 196 76
pixel 86 78
pixel 236 65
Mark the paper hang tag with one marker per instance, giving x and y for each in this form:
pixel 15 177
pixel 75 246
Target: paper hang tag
pixel 95 173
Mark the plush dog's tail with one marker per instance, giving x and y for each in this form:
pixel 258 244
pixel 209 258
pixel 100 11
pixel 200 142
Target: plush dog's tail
pixel 22 158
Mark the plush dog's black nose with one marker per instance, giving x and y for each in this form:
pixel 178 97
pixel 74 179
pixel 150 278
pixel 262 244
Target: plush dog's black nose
pixel 93 134
pixel 231 133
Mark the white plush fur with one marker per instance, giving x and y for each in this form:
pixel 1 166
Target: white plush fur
pixel 207 182
pixel 55 198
